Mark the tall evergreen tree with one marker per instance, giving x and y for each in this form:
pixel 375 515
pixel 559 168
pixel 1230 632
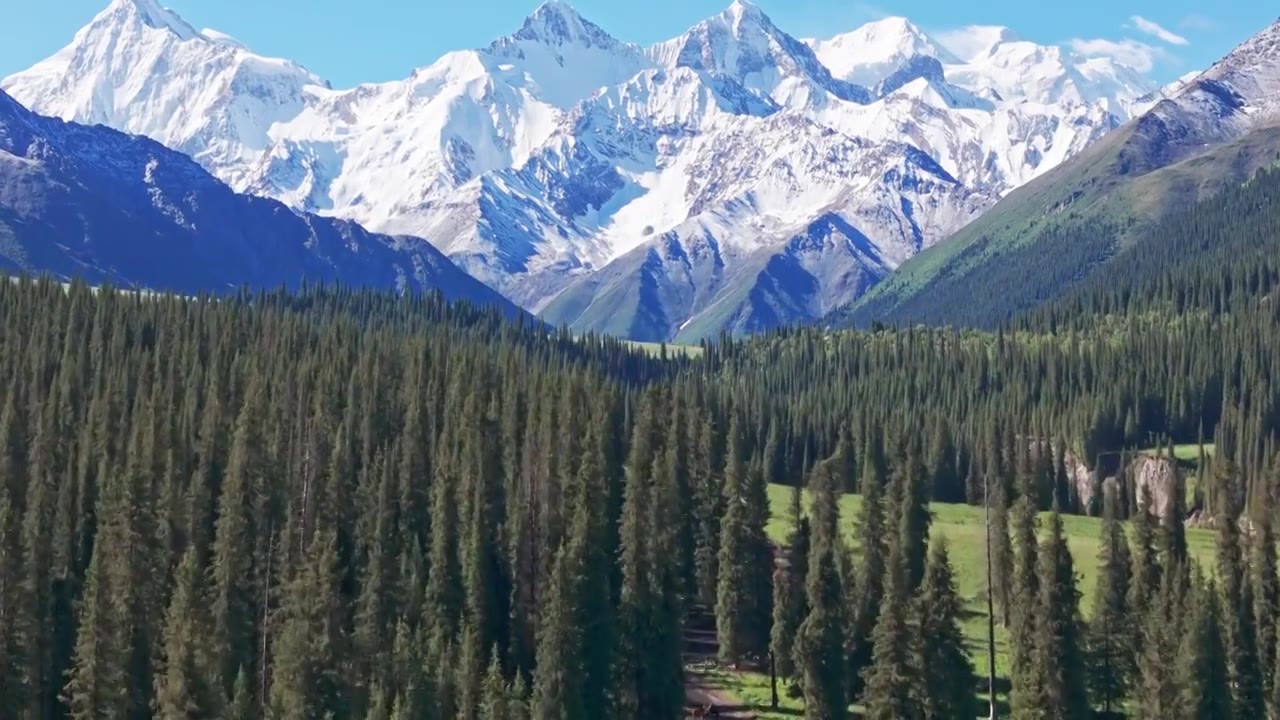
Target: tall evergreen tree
pixel 739 629
pixel 1026 696
pixel 819 642
pixel 1266 595
pixel 941 666
pixel 99 682
pixel 891 678
pixel 231 592
pixel 911 503
pixel 557 690
pixel 1146 567
pixel 790 603
pixel 868 590
pixel 1110 633
pixel 1200 673
pixel 1240 640
pixel 309 651
pixel 186 684
pixel 1058 659
pixel 1001 550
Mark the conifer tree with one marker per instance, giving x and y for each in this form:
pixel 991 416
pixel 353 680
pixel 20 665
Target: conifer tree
pixel 1110 632
pixel 1239 637
pixel 790 603
pixel 1001 550
pixel 868 591
pixel 941 665
pixel 1025 696
pixel 1200 674
pixel 891 677
pixel 232 595
pixel 1146 568
pixel 494 706
pixel 737 631
pixel 1266 595
pixel 1174 523
pixel 1058 659
pixel 308 651
pixel 98 683
pixel 469 671
pixel 557 691
pixel 593 590
pixel 241 704
pixel 647 677
pixel 819 641
pixel 1157 695
pixel 912 506
pixel 186 684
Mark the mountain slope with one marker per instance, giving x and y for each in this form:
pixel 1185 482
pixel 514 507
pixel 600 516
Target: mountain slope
pixel 546 162
pixel 92 202
pixel 1217 131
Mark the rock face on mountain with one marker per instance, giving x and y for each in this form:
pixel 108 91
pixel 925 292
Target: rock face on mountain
pixel 93 202
pixel 731 178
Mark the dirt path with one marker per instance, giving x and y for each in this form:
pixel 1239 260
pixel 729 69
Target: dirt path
pixel 701 694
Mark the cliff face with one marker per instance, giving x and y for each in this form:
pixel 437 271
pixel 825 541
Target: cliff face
pixel 1158 476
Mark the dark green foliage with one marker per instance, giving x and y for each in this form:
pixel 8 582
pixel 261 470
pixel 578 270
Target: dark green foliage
pixel 742 589
pixel 1201 677
pixel 790 599
pixel 868 592
pixel 892 677
pixel 819 647
pixel 1244 668
pixel 943 670
pixel 1111 642
pixel 1001 551
pixel 1058 660
pixel 1027 694
pixel 374 493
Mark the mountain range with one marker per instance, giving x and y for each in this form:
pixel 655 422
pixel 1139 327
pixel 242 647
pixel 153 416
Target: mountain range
pixel 91 202
pixel 733 178
pixel 1214 132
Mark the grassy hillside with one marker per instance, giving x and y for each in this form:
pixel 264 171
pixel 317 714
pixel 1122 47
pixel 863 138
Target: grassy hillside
pixel 1049 235
pixel 963 526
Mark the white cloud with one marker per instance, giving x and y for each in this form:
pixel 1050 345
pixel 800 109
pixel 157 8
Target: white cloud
pixel 969 42
pixel 1138 55
pixel 1154 29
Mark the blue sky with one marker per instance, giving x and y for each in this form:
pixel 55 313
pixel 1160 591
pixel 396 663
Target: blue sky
pixel 349 42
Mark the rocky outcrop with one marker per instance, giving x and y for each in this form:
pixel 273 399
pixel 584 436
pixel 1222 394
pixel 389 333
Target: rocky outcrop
pixel 1158 476
pixel 1082 481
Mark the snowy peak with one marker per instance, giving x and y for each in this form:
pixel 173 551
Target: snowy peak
pixel 146 12
pixel 874 51
pixel 556 23
pixel 141 68
pixel 743 43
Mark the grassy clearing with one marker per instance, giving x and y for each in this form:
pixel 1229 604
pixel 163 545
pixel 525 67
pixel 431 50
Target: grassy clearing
pixel 963 526
pixel 1184 453
pixel 655 349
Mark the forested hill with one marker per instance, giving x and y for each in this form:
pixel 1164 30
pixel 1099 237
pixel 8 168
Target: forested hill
pixel 343 504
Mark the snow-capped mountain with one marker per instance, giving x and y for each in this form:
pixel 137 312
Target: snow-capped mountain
pixel 93 202
pixel 564 167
